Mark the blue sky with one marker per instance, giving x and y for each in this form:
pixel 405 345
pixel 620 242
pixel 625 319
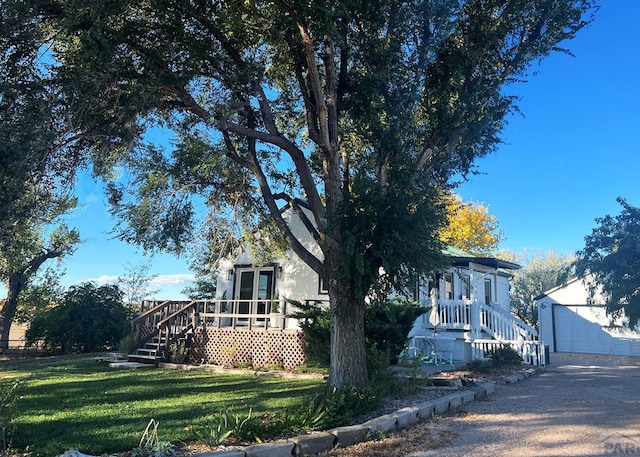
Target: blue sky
pixel 577 146
pixel 574 149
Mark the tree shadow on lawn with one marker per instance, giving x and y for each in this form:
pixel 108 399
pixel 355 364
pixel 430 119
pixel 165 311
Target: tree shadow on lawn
pixel 109 414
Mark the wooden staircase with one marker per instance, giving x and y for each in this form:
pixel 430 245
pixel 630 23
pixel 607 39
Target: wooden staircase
pixel 155 330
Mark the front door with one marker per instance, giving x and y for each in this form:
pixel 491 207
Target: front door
pixel 255 291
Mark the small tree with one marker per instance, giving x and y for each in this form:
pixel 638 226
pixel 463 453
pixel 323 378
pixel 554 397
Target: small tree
pixel 89 319
pixel 610 261
pixel 540 272
pixel 134 284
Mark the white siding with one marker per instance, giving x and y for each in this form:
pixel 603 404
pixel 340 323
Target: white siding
pixel 569 323
pixel 296 280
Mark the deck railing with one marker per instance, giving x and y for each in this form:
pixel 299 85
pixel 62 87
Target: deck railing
pixel 452 314
pixel 171 319
pixel 249 314
pixel 145 326
pixel 483 321
pixel 503 325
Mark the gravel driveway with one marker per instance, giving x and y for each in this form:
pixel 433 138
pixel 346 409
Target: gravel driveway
pixel 581 405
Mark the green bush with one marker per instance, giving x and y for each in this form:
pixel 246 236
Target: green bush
pixel 315 324
pixel 179 352
pixel 480 366
pixel 387 324
pixel 125 344
pixel 504 355
pixel 225 424
pixel 89 319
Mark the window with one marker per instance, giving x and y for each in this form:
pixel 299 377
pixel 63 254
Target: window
pixel 323 289
pixel 448 286
pixel 488 291
pixel 466 288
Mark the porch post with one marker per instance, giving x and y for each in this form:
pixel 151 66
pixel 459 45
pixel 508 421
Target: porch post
pixel 475 320
pixel 475 306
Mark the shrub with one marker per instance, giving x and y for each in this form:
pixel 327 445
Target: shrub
pixel 315 324
pixel 387 324
pixel 179 352
pixel 504 355
pixel 125 344
pixel 480 366
pixel 89 319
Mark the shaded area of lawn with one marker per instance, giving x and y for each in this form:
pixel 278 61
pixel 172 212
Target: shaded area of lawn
pixel 86 405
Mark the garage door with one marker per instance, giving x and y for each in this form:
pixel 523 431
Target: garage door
pixel 580 329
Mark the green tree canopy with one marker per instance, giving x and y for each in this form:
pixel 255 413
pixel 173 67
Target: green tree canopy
pixel 610 262
pixel 365 110
pixel 34 167
pixel 89 318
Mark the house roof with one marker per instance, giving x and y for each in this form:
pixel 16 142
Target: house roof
pixel 561 286
pixel 460 258
pixel 297 201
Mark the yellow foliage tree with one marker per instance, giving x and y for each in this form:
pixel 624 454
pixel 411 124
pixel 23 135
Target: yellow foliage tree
pixel 470 227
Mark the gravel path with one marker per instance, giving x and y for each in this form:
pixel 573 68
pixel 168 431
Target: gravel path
pixel 581 405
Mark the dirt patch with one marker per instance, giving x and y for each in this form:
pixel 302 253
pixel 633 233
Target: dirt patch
pixel 399 444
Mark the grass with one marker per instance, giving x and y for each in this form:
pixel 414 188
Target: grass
pixel 85 405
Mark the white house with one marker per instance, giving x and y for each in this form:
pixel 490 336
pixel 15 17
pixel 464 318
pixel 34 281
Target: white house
pixel 572 321
pixel 285 278
pixel 466 310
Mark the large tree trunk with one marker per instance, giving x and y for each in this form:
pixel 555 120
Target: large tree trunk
pixel 348 362
pixel 8 311
pixel 348 365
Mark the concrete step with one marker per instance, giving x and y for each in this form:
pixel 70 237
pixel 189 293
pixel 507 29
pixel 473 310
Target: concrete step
pixel 140 358
pixel 130 364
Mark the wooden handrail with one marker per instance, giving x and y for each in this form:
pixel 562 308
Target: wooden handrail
pixel 153 310
pixel 182 310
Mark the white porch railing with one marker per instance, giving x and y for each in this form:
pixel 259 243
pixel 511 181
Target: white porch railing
pixel 503 325
pixel 483 321
pixel 478 317
pixel 532 352
pixel 452 314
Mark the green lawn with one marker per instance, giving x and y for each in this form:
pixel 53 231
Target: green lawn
pixel 85 405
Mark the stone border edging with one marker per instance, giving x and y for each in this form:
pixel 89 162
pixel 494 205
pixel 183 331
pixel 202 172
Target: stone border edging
pixel 317 442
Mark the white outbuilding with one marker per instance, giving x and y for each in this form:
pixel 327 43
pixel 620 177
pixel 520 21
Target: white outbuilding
pixel 570 320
